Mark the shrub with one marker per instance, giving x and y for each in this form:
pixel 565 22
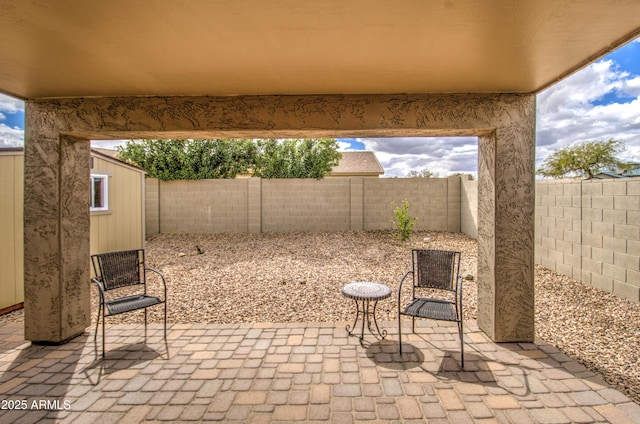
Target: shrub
pixel 403 221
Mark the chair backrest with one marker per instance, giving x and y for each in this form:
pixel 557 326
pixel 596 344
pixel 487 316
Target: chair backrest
pixel 436 269
pixel 119 269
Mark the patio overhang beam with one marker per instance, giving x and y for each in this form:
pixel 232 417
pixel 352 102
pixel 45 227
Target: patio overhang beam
pixel 56 181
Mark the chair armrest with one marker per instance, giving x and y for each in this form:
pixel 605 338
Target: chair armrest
pixel 400 285
pixel 164 283
pixel 98 283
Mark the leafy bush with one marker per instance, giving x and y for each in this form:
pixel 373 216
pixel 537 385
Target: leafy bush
pixel 403 221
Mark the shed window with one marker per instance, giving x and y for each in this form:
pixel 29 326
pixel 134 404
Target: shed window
pixel 99 192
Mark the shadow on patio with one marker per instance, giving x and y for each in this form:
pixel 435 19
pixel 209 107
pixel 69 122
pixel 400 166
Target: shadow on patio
pixel 299 372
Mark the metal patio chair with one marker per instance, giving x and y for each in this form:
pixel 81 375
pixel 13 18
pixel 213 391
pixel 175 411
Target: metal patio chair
pixel 438 272
pixel 116 272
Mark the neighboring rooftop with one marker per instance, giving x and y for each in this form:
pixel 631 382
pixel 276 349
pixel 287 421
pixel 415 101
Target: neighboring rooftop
pixel 632 170
pixel 107 152
pixel 364 164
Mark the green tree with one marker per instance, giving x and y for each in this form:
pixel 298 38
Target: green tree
pixel 296 158
pixel 583 160
pixel 190 159
pixel 460 174
pixel 423 173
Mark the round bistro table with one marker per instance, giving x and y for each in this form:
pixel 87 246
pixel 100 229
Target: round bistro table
pixel 363 293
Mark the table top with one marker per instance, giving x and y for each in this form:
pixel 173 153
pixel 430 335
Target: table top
pixel 366 290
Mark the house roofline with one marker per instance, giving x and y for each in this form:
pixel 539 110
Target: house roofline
pixel 20 150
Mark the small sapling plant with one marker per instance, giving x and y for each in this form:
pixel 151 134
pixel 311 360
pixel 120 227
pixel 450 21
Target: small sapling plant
pixel 403 221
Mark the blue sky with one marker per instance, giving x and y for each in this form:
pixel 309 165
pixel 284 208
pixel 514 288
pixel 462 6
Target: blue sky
pixel 600 102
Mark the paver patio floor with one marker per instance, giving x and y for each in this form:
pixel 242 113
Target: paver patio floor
pixel 308 372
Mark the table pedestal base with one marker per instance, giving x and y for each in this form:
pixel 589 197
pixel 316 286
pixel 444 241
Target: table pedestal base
pixel 366 317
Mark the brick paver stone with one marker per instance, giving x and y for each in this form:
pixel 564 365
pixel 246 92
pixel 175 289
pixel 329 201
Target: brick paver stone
pixel 193 412
pixel 251 398
pixel 347 390
pixel 388 412
pixel 587 398
pixel 501 402
pixel 170 413
pixel 136 398
pixel 392 387
pixel 409 408
pixel 614 415
pixel 136 414
pixel 290 413
pixel 364 405
pixel 450 399
pixel 319 412
pixel 549 416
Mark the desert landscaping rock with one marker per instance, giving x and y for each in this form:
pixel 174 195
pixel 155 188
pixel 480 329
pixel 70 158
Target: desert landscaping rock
pixel 296 277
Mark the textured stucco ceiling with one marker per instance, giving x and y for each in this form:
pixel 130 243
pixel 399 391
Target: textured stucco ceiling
pixel 69 48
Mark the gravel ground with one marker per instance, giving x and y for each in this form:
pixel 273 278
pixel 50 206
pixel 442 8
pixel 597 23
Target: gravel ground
pixel 230 278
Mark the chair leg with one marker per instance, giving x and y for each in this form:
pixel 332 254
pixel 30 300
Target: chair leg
pixel 400 333
pixel 166 345
pixel 461 334
pixel 104 336
pixel 95 334
pixel 145 325
pixel 165 321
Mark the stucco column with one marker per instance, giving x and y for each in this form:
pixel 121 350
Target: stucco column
pixel 506 227
pixel 56 232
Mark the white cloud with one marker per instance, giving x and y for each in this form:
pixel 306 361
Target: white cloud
pixel 11 137
pixel 632 87
pixel 344 146
pixel 573 111
pixel 441 155
pixel 108 144
pixel 10 105
pixel 581 89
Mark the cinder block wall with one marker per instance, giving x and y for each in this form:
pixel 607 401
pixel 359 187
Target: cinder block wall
pixel 204 206
pixel 469 206
pixel 434 201
pixel 287 205
pixel 152 205
pixel 305 205
pixel 590 230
